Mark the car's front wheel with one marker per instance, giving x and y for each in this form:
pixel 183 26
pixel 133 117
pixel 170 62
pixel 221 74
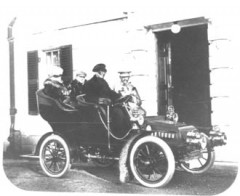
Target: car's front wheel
pixel 152 162
pixel 202 163
pixel 54 156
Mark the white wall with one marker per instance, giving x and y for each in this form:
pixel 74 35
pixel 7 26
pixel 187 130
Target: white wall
pixel 98 43
pixel 126 45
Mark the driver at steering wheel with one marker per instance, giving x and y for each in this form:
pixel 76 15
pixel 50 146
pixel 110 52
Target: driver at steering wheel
pixel 97 89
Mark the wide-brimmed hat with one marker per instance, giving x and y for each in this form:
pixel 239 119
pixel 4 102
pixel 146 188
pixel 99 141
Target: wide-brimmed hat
pixel 55 71
pixel 124 73
pixel 99 67
pixel 81 73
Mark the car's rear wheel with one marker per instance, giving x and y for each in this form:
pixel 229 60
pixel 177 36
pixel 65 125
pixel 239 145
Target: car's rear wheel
pixel 54 156
pixel 202 163
pixel 152 162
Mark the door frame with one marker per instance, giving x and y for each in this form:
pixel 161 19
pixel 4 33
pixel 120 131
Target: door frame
pixel 158 28
pixel 182 23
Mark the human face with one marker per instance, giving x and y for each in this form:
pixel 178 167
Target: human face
pixel 80 78
pixel 125 79
pixel 57 78
pixel 101 74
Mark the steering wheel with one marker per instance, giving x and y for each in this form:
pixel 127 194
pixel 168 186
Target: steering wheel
pixel 123 99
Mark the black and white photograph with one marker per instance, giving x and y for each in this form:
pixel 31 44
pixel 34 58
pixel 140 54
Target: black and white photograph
pixel 120 97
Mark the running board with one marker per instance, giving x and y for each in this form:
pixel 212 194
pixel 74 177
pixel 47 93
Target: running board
pixel 31 156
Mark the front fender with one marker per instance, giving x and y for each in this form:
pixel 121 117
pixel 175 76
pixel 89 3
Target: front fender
pixel 123 159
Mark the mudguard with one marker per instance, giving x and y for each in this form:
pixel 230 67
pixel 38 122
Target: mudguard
pixel 124 172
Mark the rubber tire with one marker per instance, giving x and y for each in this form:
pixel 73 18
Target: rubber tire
pixel 67 153
pixel 168 153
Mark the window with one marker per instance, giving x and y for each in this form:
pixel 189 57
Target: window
pixel 52 58
pixel 61 57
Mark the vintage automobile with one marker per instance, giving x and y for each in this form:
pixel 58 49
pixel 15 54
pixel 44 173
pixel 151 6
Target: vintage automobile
pixel 150 150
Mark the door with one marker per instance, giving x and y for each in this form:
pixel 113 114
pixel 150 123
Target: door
pixel 184 75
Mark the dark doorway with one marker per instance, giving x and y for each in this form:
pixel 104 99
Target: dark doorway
pixel 184 77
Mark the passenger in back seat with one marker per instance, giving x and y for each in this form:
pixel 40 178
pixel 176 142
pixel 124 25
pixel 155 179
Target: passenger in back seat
pixel 55 88
pixel 77 88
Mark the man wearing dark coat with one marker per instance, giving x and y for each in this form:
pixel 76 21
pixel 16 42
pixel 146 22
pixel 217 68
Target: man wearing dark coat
pixel 97 87
pixel 77 88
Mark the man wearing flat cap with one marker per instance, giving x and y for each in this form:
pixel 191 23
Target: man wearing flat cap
pixel 127 88
pixel 78 84
pixel 97 87
pixel 100 67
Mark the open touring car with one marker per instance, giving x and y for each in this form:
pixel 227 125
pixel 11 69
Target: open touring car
pixel 150 150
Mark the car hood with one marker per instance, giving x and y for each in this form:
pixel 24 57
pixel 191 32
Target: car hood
pixel 159 123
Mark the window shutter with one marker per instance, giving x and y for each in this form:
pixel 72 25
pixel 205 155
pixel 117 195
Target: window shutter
pixel 32 63
pixel 66 63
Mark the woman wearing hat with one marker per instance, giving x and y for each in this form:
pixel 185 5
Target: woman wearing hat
pixel 54 87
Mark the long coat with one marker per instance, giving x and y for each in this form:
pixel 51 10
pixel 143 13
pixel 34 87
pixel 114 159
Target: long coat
pixel 55 89
pixel 76 88
pixel 98 88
